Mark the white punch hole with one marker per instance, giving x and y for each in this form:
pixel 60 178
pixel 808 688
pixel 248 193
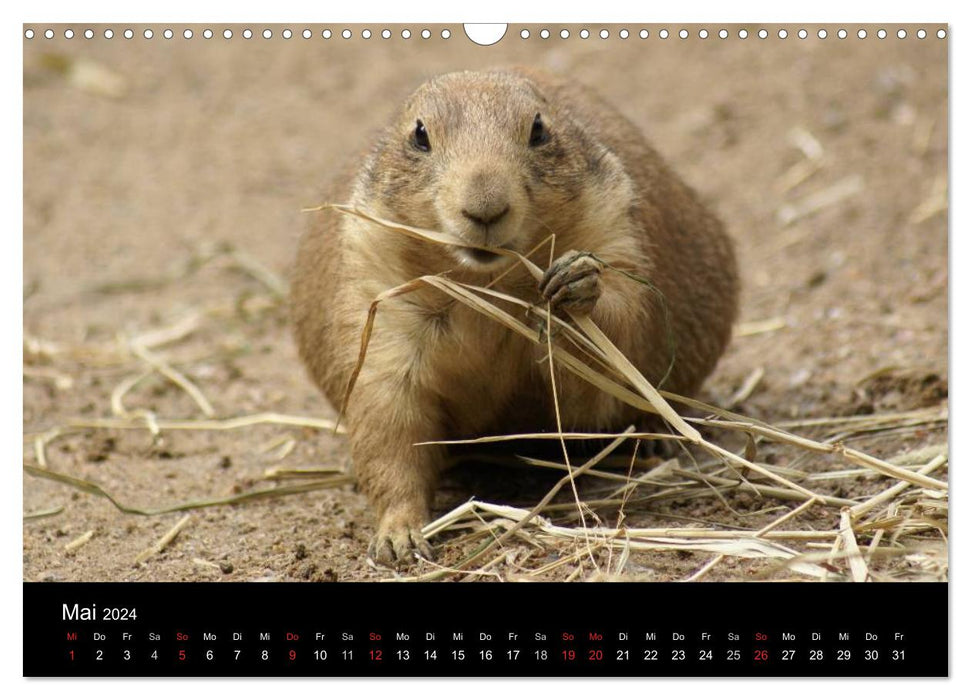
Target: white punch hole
pixel 485 34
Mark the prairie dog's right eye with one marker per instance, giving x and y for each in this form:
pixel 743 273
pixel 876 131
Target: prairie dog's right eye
pixel 420 137
pixel 538 134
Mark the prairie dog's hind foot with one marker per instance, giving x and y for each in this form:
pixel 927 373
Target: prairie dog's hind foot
pixel 573 282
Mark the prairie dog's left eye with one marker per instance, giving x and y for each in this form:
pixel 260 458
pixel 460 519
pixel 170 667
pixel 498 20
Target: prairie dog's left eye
pixel 538 135
pixel 420 137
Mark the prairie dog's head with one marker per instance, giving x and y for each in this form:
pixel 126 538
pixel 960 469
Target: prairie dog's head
pixel 486 157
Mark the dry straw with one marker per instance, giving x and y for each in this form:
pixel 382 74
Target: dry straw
pixel 898 530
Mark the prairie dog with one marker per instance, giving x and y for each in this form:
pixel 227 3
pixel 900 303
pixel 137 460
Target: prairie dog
pixel 501 159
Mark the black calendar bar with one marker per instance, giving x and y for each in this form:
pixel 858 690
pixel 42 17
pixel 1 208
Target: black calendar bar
pixel 485 629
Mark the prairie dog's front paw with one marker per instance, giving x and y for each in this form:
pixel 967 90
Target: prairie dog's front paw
pixel 398 540
pixel 573 282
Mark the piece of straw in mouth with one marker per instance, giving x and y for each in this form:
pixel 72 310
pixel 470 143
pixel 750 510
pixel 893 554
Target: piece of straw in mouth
pixel 606 346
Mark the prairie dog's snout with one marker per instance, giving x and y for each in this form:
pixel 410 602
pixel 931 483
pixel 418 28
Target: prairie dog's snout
pixel 483 204
pixel 486 199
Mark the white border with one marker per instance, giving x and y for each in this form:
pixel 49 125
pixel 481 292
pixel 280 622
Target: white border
pixel 710 12
pixel 438 11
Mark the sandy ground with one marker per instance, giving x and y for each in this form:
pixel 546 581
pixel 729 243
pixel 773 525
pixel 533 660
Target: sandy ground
pixel 144 161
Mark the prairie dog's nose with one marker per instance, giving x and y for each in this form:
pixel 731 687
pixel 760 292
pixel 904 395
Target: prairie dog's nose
pixel 487 215
pixel 486 198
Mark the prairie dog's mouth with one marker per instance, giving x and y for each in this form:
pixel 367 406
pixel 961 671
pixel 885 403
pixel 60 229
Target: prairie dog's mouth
pixel 478 258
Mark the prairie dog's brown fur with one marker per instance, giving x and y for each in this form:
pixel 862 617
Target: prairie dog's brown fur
pixel 501 158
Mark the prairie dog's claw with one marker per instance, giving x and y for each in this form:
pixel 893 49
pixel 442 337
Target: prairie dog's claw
pixel 399 541
pixel 573 282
